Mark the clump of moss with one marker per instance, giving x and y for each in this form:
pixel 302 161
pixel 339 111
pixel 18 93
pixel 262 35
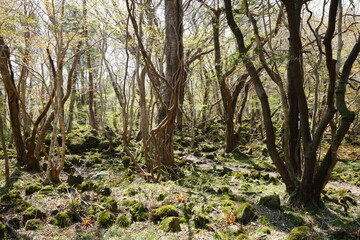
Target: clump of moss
pixel 104 190
pixel 245 213
pixel 265 230
pixel 62 219
pixel 298 233
pixel 33 224
pixel 201 221
pixel 170 224
pixel 32 188
pixel 131 191
pixel 2 230
pixel 209 207
pixel 87 186
pixel 124 220
pixel 106 219
pixel 75 179
pixel 13 200
pixel 111 204
pixel 139 212
pixel 242 236
pixel 14 222
pixel 271 201
pixel 165 211
pixel 32 213
pixel 224 189
pixel 47 189
pixel 129 203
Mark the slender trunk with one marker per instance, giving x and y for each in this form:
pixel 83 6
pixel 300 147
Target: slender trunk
pixel 6 157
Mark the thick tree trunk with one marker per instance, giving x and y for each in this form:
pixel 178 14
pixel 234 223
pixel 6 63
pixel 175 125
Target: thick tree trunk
pixel 13 100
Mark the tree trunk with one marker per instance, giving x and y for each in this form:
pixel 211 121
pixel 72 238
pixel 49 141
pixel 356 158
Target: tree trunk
pixel 13 100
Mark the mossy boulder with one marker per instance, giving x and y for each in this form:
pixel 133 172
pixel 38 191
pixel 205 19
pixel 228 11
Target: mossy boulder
pixel 298 233
pixel 82 139
pixel 271 201
pixel 33 213
pixel 124 220
pixel 14 222
pixel 63 219
pixel 32 188
pixel 110 204
pixel 245 213
pixel 13 200
pixel 106 219
pixel 201 221
pixel 242 236
pixel 294 218
pixel 87 186
pixel 165 211
pixel 47 189
pixel 2 230
pixel 139 212
pixel 170 224
pixel 33 224
pixel 75 179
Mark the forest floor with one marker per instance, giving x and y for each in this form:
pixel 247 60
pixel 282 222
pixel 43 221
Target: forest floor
pixel 209 188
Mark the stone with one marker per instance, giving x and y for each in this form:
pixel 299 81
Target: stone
pixel 139 212
pixel 32 188
pixel 298 233
pixel 245 213
pixel 62 219
pixel 271 201
pixel 106 219
pixel 124 220
pixel 33 213
pixel 170 224
pixel 201 221
pixel 33 224
pixel 165 211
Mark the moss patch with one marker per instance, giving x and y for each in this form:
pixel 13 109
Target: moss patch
pixel 170 224
pixel 106 219
pixel 124 220
pixel 62 219
pixel 33 224
pixel 165 211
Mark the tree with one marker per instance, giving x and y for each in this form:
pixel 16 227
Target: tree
pixel 305 181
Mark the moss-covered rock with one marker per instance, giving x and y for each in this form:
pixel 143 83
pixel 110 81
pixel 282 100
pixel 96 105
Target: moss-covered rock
pixel 110 204
pixel 265 230
pixel 62 219
pixel 124 220
pixel 33 224
pixel 74 179
pixel 87 186
pixel 245 213
pixel 13 200
pixel 139 212
pixel 106 219
pixel 298 233
pixel 224 189
pixel 294 219
pixel 32 188
pixel 33 213
pixel 47 189
pixel 2 230
pixel 165 211
pixel 242 236
pixel 201 221
pixel 82 139
pixel 14 222
pixel 271 201
pixel 170 224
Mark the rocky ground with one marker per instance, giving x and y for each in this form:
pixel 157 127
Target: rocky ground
pixel 215 196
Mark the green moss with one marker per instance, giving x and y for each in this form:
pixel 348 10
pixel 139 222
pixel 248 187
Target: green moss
pixel 47 189
pixel 129 203
pixel 13 200
pixel 265 230
pixel 208 208
pixel 32 188
pixel 75 179
pixel 33 224
pixel 271 201
pixel 63 219
pixel 63 188
pixel 165 211
pixel 170 224
pixel 224 189
pixel 87 186
pixel 201 221
pixel 245 213
pixel 106 219
pixel 14 222
pixel 139 212
pixel 242 236
pixel 32 213
pixel 131 191
pixel 124 220
pixel 111 204
pixel 2 230
pixel 298 233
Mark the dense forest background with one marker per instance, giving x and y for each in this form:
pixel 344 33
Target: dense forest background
pixel 181 119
